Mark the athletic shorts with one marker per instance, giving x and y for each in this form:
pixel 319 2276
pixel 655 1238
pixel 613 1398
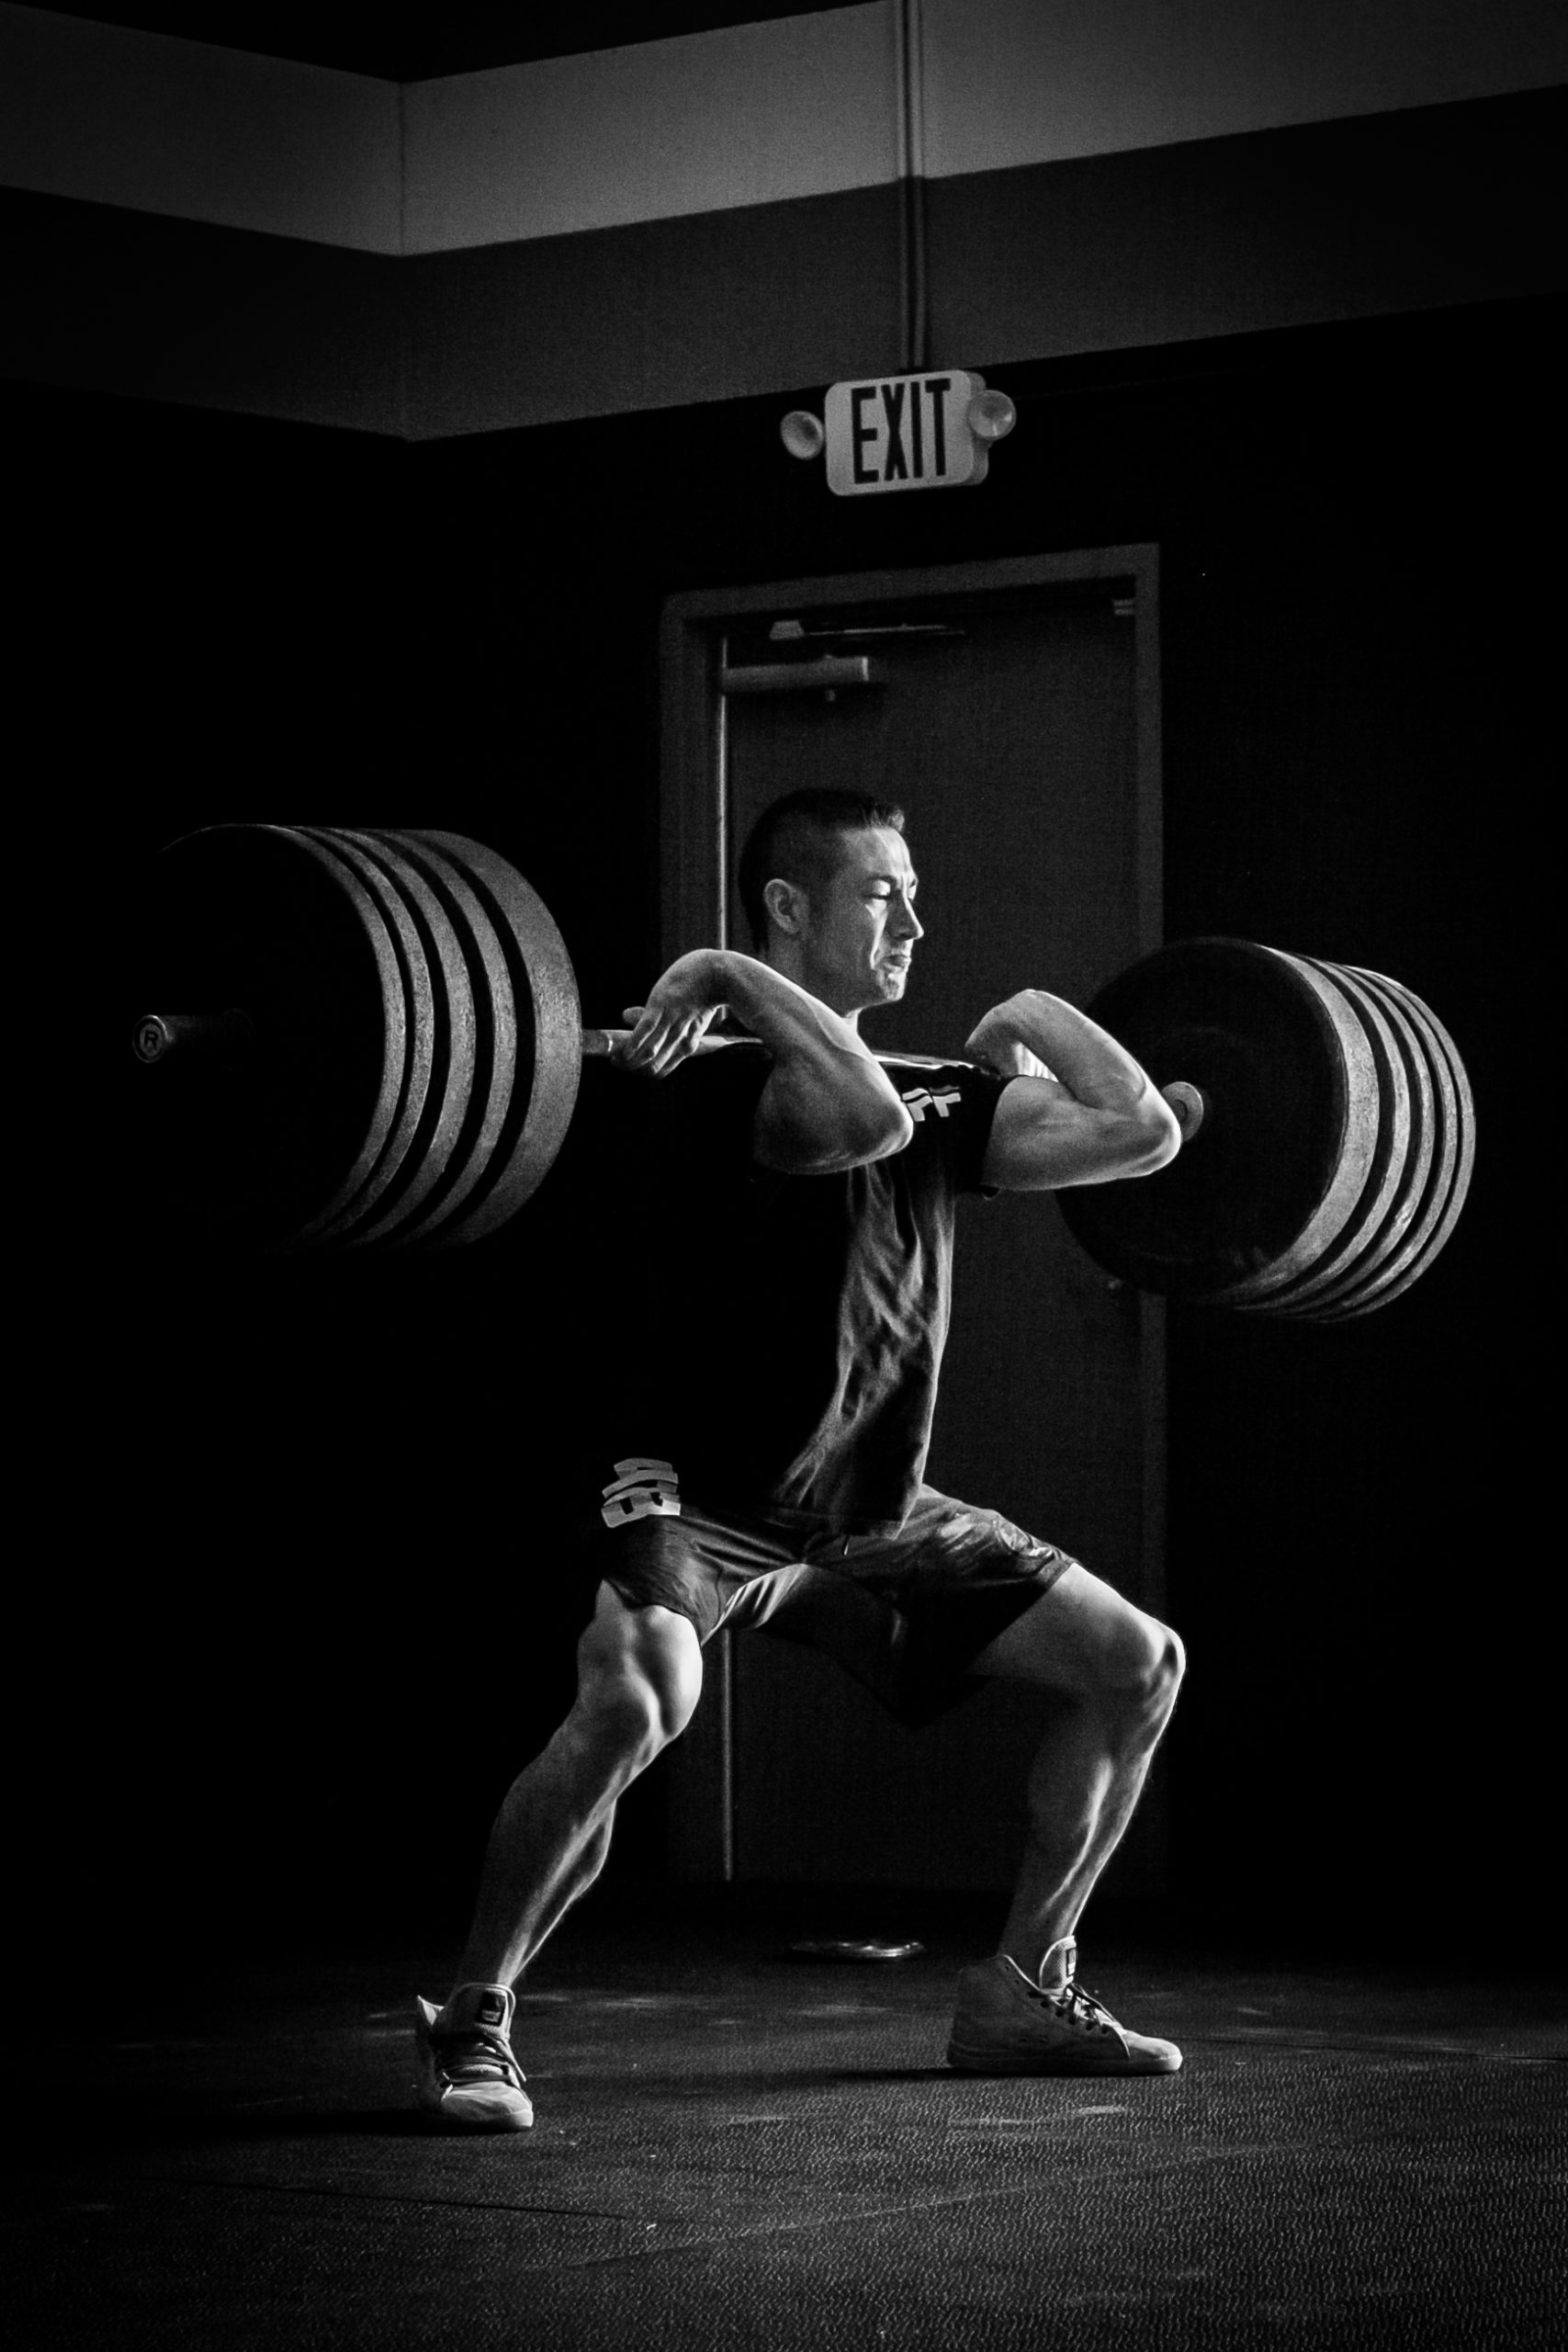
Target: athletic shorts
pixel 907 1614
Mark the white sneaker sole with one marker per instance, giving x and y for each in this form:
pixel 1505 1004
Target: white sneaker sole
pixel 479 2109
pixel 965 2059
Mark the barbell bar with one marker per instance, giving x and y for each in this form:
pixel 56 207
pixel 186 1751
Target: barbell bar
pixel 389 1050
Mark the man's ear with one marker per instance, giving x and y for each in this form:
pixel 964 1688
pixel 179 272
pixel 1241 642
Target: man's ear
pixel 787 904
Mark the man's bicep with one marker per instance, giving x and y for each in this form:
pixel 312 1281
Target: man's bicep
pixel 1043 1137
pixel 810 1124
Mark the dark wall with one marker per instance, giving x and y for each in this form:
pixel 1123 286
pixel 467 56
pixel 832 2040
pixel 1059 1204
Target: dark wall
pixel 1374 215
pixel 299 1529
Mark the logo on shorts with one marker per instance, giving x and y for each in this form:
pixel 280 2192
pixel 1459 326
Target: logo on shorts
pixel 642 1488
pixel 921 1098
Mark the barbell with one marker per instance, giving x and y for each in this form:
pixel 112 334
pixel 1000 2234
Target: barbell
pixel 376 1043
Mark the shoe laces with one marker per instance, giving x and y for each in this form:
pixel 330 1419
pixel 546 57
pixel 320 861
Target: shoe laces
pixel 1082 2003
pixel 1080 2006
pixel 478 2053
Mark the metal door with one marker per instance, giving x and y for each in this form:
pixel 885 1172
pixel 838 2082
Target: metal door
pixel 1011 708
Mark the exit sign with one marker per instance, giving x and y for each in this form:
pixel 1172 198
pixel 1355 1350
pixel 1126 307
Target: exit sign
pixel 903 433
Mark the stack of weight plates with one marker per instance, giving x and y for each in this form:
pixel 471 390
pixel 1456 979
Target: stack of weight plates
pixel 1335 1147
pixel 415 1037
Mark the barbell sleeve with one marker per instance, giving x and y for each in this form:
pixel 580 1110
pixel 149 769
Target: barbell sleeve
pixel 227 1037
pixel 600 1043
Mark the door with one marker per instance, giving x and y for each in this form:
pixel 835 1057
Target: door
pixel 1011 710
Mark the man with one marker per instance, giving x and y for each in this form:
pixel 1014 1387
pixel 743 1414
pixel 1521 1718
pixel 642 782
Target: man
pixel 769 1377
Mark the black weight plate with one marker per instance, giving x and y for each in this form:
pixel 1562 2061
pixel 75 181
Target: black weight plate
pixel 1404 1138
pixel 1421 1168
pixel 261 918
pixel 470 1169
pixel 1424 1210
pixel 1453 1160
pixel 454 1051
pixel 549 1035
pixel 419 1017
pixel 1288 1138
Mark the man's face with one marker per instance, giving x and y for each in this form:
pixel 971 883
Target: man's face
pixel 857 936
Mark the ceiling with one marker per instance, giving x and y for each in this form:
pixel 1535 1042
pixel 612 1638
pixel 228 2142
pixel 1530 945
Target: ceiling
pixel 414 44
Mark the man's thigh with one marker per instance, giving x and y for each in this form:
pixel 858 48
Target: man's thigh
pixel 1080 1636
pixel 945 1587
pixel 701 1567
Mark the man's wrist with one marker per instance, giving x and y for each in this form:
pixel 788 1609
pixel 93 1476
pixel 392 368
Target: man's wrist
pixel 1014 1022
pixel 1026 1008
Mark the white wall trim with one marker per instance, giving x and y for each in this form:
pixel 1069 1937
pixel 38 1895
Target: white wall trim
pixel 707 122
pixel 1021 82
pixel 748 115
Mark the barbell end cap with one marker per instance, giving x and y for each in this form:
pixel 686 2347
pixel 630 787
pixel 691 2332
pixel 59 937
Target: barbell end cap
pixel 227 1037
pixel 151 1037
pixel 1190 1103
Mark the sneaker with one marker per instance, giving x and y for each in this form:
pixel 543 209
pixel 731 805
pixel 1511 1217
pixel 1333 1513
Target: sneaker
pixel 1007 2024
pixel 467 2076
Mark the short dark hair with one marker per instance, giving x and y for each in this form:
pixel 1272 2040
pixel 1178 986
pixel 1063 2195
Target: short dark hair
pixel 796 840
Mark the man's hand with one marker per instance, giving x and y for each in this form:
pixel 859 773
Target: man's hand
pixel 682 1007
pixel 995 1042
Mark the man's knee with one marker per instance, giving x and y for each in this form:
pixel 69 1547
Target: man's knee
pixel 1140 1663
pixel 639 1676
pixel 1085 1641
pixel 1140 1676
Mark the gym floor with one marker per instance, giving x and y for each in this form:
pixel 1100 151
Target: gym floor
pixel 739 2146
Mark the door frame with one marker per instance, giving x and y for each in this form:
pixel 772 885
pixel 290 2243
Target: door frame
pixel 694 817
pixel 695 857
